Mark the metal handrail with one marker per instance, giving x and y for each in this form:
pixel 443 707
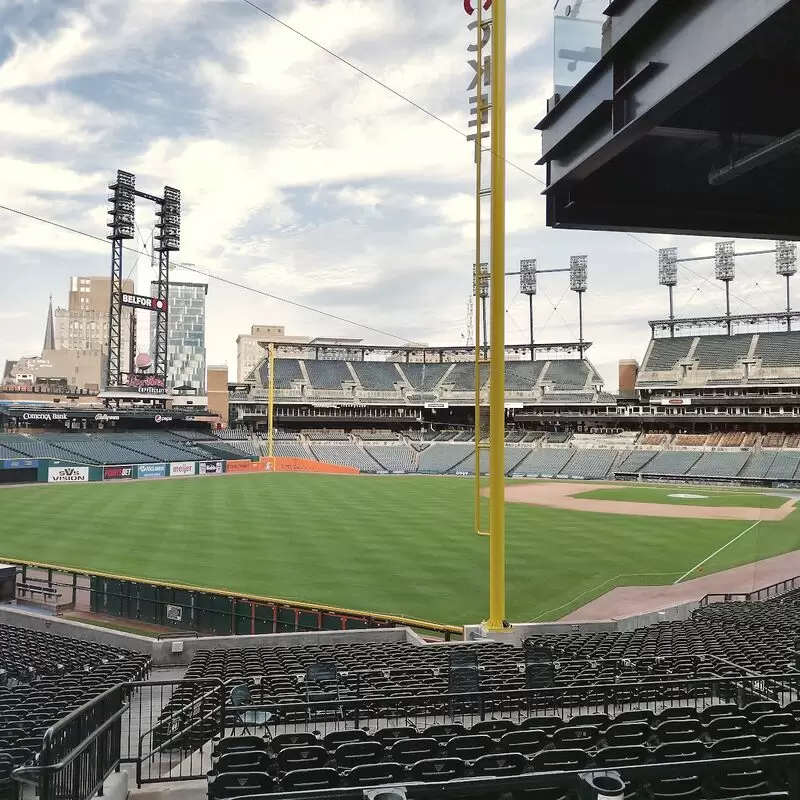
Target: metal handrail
pixel 218 685
pixel 757 682
pixel 23 774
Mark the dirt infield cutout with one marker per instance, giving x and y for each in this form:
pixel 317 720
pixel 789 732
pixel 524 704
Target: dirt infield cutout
pixel 561 495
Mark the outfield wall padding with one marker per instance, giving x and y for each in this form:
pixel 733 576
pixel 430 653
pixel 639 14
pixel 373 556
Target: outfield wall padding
pixel 277 464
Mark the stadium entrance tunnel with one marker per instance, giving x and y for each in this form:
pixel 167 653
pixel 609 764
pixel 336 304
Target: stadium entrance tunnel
pixel 680 124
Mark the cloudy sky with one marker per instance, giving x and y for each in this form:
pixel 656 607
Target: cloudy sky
pixel 301 177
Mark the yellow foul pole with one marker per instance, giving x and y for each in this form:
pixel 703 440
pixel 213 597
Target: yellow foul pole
pixel 497 521
pixel 478 253
pixel 271 408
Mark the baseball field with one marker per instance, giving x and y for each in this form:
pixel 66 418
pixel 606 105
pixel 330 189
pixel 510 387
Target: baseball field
pixel 398 545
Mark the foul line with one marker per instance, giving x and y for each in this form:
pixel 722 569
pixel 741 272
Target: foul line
pixel 597 588
pixel 708 558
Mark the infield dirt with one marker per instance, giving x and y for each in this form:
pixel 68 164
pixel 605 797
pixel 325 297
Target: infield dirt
pixel 562 495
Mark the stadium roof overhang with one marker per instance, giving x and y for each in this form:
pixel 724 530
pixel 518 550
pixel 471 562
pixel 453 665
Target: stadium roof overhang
pixel 33 412
pixel 435 353
pixel 686 323
pixel 685 123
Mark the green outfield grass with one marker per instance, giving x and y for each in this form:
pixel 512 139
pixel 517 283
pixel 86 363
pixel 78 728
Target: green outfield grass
pixel 398 545
pixel 719 498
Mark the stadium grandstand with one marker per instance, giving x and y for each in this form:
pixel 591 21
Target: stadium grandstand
pixel 123 675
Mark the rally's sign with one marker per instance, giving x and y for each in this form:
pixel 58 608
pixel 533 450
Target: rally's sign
pixel 152 471
pixel 181 468
pixel 68 475
pixel 143 301
pixel 117 473
pixel 106 418
pixel 145 384
pixel 44 416
pixel 212 467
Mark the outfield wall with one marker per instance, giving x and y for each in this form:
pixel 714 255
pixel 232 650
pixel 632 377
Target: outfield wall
pixel 19 471
pixel 158 605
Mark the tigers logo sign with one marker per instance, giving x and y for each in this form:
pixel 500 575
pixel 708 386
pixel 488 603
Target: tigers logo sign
pixel 469 6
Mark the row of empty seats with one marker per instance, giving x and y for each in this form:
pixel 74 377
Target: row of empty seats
pixel 384 376
pixel 114 448
pixel 778 349
pixel 44 676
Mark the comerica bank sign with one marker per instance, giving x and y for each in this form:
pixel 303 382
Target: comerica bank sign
pixel 44 416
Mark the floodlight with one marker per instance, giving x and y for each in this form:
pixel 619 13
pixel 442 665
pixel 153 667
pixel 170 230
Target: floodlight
pixel 484 289
pixel 668 266
pixel 169 220
pixel 527 276
pixel 786 258
pixel 123 206
pixel 577 273
pixel 724 261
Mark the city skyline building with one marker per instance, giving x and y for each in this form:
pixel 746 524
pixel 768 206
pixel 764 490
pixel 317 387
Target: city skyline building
pixel 186 332
pixel 83 324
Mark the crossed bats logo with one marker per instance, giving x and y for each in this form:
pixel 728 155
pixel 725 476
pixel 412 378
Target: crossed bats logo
pixel 469 6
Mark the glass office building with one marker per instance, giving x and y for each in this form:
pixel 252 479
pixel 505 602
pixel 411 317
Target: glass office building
pixel 186 348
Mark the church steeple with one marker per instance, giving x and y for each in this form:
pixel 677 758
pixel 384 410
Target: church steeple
pixel 49 331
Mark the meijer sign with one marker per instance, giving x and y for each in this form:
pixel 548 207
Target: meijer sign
pixel 181 468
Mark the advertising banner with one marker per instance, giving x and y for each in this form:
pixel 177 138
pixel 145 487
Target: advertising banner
pixel 278 464
pixel 68 475
pixel 181 468
pixel 20 463
pixel 152 471
pixel 239 466
pixel 211 467
pixel 118 473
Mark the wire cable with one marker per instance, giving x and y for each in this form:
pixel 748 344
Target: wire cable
pixel 380 83
pixel 227 281
pixel 413 103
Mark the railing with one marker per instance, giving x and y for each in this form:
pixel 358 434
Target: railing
pixel 422 710
pixel 167 726
pixel 164 728
pixel 765 593
pixel 207 611
pixel 81 751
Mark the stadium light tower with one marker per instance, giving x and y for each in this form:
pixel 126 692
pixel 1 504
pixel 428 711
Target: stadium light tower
pixel 482 294
pixel 668 276
pixel 527 285
pixel 725 271
pixel 168 236
pixel 786 266
pixel 122 211
pixel 577 283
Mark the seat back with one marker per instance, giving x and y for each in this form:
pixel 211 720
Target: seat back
pixel 299 780
pixel 302 757
pixel 239 784
pixel 437 769
pixel 500 764
pixel 242 761
pixel 376 774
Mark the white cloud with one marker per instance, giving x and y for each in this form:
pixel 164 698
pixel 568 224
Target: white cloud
pixel 298 175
